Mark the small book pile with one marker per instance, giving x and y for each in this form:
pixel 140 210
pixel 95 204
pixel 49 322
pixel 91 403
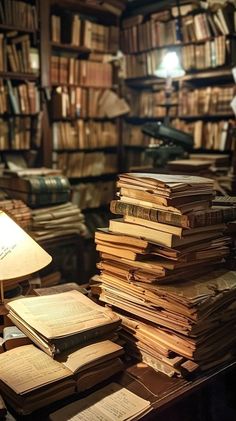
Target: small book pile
pixel 18 211
pixel 79 335
pixel 36 186
pixel 57 221
pixel 154 267
pixel 190 166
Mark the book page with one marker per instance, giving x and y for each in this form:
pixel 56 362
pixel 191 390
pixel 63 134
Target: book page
pixel 112 403
pixel 86 355
pixel 26 368
pixel 59 315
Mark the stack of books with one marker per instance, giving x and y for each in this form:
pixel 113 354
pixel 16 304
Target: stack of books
pixel 36 186
pixel 57 221
pixel 190 166
pixel 86 164
pixel 18 211
pixel 154 269
pixel 71 71
pixel 21 99
pixel 81 134
pixel 72 329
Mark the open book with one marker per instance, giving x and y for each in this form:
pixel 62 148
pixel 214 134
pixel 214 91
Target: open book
pixel 30 379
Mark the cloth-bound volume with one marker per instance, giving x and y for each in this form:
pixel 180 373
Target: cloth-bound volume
pixel 37 190
pixel 60 321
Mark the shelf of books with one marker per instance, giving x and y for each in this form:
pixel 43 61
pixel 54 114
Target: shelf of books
pixel 20 97
pixel 200 101
pixel 84 102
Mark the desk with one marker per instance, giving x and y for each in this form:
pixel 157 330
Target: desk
pixel 164 393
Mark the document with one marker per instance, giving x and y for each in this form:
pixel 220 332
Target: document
pixel 112 403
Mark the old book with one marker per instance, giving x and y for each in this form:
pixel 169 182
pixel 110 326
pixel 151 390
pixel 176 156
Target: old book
pixel 178 232
pixel 88 356
pixel 167 185
pixel 36 184
pixel 111 402
pixel 155 236
pixel 224 201
pixel 30 379
pixel 70 286
pixel 104 235
pixel 212 216
pixel 72 320
pixel 13 337
pixel 119 252
pixel 158 199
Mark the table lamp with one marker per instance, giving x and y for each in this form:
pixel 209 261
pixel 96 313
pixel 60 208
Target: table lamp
pixel 20 255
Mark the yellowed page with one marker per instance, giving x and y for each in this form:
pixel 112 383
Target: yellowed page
pixel 89 354
pixel 59 315
pixel 26 368
pixel 112 403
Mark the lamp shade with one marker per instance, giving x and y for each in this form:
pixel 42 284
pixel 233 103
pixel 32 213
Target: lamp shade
pixel 170 66
pixel 20 255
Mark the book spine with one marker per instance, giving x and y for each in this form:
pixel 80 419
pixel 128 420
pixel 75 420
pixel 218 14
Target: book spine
pixel 48 184
pixel 83 338
pixel 120 208
pixel 35 200
pixel 212 217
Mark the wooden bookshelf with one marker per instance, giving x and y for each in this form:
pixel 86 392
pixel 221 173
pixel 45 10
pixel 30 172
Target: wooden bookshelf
pixel 143 53
pixel 67 47
pixel 87 150
pixel 5 27
pixel 19 76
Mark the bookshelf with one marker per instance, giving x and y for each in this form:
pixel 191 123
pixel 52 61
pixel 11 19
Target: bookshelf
pixel 20 94
pixel 81 82
pixel 200 100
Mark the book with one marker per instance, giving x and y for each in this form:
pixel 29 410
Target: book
pixel 69 286
pixel 210 216
pixel 83 358
pixel 13 337
pixel 20 14
pixel 37 190
pixel 80 320
pixel 156 236
pixel 34 380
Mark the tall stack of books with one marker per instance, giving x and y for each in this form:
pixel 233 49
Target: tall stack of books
pixel 78 349
pixel 154 271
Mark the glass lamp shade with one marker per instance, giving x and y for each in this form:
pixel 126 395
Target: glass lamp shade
pixel 170 66
pixel 20 255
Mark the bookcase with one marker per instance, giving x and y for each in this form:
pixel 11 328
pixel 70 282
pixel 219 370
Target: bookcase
pixel 200 100
pixel 82 81
pixel 20 95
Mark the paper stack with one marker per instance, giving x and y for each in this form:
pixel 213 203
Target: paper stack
pixel 78 333
pixel 57 221
pixel 18 211
pixel 153 270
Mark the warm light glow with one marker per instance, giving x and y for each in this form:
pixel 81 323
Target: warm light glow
pixel 20 255
pixel 170 66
